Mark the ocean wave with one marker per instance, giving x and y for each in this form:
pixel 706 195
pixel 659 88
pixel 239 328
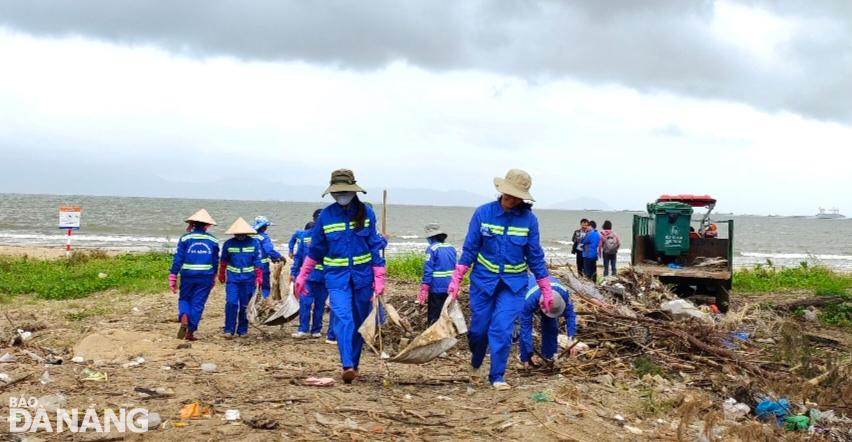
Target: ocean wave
pixel 86 237
pixel 408 237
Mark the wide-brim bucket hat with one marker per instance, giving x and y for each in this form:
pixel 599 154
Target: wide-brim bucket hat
pixel 343 180
pixel 558 306
pixel 240 227
pixel 517 184
pixel 202 217
pixel 434 229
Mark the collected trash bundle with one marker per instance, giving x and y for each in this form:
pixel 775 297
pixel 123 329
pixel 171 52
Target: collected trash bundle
pixel 435 340
pixel 271 311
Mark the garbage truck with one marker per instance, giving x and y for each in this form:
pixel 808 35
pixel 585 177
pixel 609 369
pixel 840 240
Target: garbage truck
pixel 667 244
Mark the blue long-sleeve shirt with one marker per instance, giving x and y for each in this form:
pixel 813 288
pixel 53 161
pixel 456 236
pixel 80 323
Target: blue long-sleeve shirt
pixel 504 245
pixel 302 247
pixel 267 250
pixel 439 266
pixel 346 253
pixel 590 244
pixel 242 256
pixel 532 306
pixel 294 239
pixel 196 255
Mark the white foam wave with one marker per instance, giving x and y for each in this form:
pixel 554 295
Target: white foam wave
pixel 408 237
pixel 802 256
pixel 85 237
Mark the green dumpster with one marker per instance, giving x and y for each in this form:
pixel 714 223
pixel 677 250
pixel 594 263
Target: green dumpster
pixel 669 229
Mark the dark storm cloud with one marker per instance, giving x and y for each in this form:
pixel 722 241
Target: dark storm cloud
pixel 649 45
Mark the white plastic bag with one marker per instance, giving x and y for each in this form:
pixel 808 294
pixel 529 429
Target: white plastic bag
pixel 436 339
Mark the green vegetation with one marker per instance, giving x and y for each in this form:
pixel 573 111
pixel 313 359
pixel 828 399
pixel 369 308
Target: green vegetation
pixel 819 278
pixel 406 266
pixel 645 365
pixel 84 273
pixel 767 278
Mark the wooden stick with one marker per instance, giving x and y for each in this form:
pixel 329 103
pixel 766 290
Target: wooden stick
pixel 562 435
pixel 15 381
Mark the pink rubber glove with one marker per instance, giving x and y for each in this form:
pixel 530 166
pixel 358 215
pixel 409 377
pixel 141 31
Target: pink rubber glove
pixel 379 280
pixel 456 280
pixel 258 276
pixel 223 269
pixel 424 292
pixel 301 280
pixel 546 294
pixel 173 282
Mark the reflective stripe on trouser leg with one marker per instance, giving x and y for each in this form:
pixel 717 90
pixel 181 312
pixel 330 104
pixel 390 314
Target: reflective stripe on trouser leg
pixel 344 323
pixel 305 302
pixel 507 308
pixel 246 293
pixel 549 335
pixel 264 288
pixel 320 294
pixel 481 309
pixel 361 307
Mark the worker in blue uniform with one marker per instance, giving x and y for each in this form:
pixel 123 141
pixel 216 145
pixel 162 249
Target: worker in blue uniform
pixel 502 244
pixel 437 271
pixel 240 271
pixel 196 259
pixel 347 244
pixel 549 320
pixel 311 304
pixel 267 251
pixel 298 234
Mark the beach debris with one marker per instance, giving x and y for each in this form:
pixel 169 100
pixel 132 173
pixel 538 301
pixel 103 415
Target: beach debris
pixel 51 402
pixel 232 415
pixel 683 309
pixel 52 359
pixel 102 275
pixel 155 393
pixel 318 382
pixel 150 421
pixel 193 410
pixel 541 397
pixel 348 424
pixel 735 409
pixel 45 378
pixel 770 409
pixel 633 430
pixel 262 423
pixel 78 359
pixel 208 367
pixel 92 375
pixel 810 315
pixel 7 358
pixel 5 377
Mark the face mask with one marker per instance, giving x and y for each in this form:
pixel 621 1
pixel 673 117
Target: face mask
pixel 343 198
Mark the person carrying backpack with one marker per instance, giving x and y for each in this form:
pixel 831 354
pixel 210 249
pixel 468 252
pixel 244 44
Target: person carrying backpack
pixel 609 245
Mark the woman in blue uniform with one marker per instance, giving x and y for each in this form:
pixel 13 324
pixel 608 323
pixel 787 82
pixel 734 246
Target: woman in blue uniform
pixel 240 267
pixel 196 258
pixel 502 245
pixel 345 241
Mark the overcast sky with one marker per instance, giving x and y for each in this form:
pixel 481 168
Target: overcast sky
pixel 750 101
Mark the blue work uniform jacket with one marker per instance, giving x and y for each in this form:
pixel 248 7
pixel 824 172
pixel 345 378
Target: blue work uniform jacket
pixel 503 245
pixel 590 244
pixel 532 305
pixel 294 239
pixel 302 247
pixel 267 250
pixel 439 266
pixel 346 254
pixel 197 255
pixel 242 256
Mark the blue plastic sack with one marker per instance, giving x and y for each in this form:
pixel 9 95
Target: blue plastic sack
pixel 768 409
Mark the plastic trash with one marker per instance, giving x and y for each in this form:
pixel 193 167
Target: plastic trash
pixel 683 309
pixel 208 367
pixel 232 415
pixel 5 377
pixel 51 402
pixel 348 424
pixel 7 358
pixel 151 420
pixel 436 339
pixel 732 407
pixel 796 423
pixel 769 409
pixel 45 378
pixel 78 359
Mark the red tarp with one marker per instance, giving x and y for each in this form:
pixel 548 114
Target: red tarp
pixel 692 200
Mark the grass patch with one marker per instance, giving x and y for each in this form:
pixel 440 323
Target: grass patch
pixel 644 365
pixel 766 278
pixel 84 273
pixel 406 266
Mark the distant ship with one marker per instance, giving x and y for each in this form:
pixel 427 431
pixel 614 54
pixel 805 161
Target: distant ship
pixel 833 214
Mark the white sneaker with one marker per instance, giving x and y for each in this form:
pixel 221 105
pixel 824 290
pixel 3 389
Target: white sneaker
pixel 316 335
pixel 329 341
pixel 501 386
pixel 299 335
pixel 227 335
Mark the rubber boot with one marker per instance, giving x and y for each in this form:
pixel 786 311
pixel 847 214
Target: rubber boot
pixel 190 336
pixel 348 376
pixel 184 320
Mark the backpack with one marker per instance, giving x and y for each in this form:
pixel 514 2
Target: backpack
pixel 610 245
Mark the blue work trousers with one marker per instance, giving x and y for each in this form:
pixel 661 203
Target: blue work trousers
pixel 312 306
pixel 331 321
pixel 192 298
pixel 237 297
pixel 492 316
pixel 350 307
pixel 265 287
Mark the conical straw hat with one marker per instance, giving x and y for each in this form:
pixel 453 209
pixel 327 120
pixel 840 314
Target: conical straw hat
pixel 240 226
pixel 203 217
